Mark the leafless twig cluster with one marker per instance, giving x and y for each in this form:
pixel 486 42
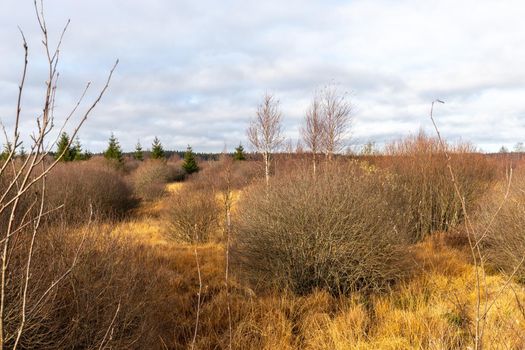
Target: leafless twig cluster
pixel 23 193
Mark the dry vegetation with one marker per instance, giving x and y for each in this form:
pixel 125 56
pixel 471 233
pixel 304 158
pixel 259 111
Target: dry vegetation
pixel 345 281
pixel 421 247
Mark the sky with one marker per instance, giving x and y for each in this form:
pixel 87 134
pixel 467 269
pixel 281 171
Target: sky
pixel 193 72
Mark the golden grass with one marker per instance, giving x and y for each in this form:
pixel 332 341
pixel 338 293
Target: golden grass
pixel 174 187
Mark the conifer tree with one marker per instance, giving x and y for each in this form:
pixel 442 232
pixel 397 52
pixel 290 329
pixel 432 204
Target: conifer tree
pixel 23 153
pixel 138 154
pixel 76 150
pixel 113 152
pixel 157 151
pixel 239 153
pixel 7 150
pixel 190 163
pixel 64 148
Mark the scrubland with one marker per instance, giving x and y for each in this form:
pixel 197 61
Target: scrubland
pixel 371 252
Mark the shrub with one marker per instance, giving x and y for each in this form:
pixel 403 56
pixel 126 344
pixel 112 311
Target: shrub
pixel 81 185
pixel 215 174
pixel 421 169
pixel 504 241
pixel 338 231
pixel 175 171
pixel 111 274
pixel 193 215
pixel 150 178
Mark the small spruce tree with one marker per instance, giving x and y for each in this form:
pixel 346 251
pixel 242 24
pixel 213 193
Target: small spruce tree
pixel 138 154
pixel 76 150
pixel 239 153
pixel 190 163
pixel 7 150
pixel 113 152
pixel 23 153
pixel 157 151
pixel 64 149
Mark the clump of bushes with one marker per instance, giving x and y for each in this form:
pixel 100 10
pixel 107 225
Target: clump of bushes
pixel 193 215
pixel 502 232
pixel 113 287
pixel 151 176
pixel 421 168
pixel 85 186
pixel 339 231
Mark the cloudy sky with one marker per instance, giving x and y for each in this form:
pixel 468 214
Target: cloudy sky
pixel 193 72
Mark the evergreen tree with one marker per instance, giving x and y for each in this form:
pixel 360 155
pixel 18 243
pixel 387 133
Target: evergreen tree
pixel 64 148
pixel 87 155
pixel 190 163
pixel 7 150
pixel 157 151
pixel 239 153
pixel 76 150
pixel 113 152
pixel 23 153
pixel 138 154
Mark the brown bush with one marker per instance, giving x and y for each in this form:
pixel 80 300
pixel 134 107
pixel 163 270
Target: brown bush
pixel 421 169
pixel 80 186
pixel 150 178
pixel 193 215
pixel 503 234
pixel 116 287
pixel 338 231
pixel 213 175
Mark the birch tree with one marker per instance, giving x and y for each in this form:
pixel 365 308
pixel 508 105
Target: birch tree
pixel 336 111
pixel 312 131
pixel 265 131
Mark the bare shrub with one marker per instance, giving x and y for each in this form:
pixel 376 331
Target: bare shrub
pixel 193 215
pixel 241 174
pixel 79 186
pixel 110 291
pixel 337 231
pixel 503 235
pixel 150 178
pixel 421 168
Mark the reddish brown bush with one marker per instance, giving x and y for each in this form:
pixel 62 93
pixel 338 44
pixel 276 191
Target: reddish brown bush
pixel 421 170
pixel 150 178
pixel 502 226
pixel 193 215
pixel 84 186
pixel 338 231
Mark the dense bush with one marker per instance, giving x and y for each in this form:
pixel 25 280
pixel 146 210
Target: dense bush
pixel 421 169
pixel 80 186
pixel 112 289
pixel 225 171
pixel 151 176
pixel 193 215
pixel 502 232
pixel 341 231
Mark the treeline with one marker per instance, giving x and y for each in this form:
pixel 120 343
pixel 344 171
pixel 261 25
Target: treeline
pixel 68 149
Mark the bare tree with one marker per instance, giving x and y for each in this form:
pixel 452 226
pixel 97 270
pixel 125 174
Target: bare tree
pixel 336 117
pixel 265 131
pixel 23 193
pixel 312 131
